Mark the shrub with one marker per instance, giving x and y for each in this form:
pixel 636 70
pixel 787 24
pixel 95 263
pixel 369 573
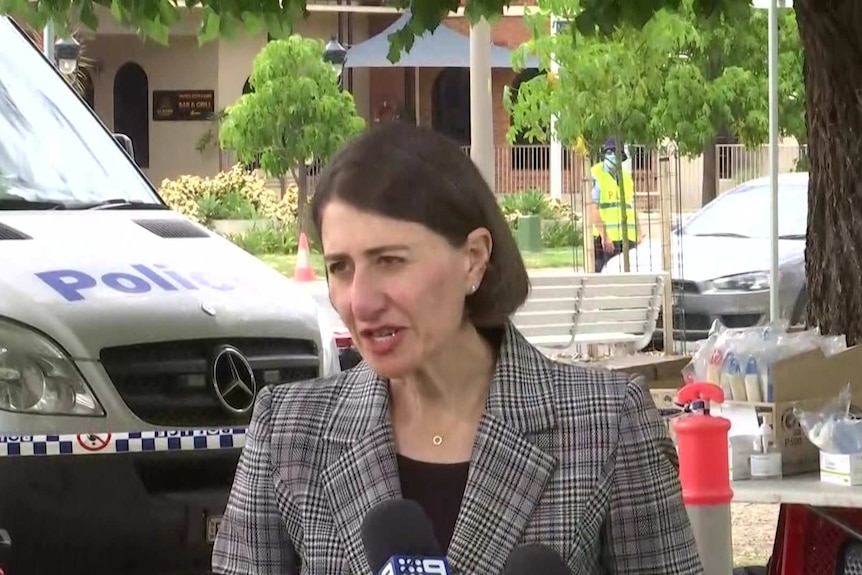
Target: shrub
pixel 562 228
pixel 533 203
pixel 235 194
pixel 562 234
pixel 260 240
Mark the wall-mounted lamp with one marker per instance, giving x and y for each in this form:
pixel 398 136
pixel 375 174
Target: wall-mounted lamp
pixel 66 54
pixel 335 54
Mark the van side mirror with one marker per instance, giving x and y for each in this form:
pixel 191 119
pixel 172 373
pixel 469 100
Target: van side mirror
pixel 126 143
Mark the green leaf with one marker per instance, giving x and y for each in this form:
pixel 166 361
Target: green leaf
pixel 88 16
pixel 210 26
pixel 229 27
pixel 117 11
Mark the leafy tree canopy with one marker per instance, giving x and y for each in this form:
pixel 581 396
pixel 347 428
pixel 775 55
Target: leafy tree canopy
pixel 295 112
pixel 680 76
pixel 154 18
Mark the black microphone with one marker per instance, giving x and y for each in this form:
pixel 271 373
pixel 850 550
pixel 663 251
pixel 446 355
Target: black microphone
pixel 399 539
pixel 535 559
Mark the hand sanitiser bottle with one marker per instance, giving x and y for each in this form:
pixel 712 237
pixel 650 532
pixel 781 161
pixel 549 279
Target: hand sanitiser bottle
pixel 766 460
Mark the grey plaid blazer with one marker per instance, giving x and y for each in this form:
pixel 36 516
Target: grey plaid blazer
pixel 576 459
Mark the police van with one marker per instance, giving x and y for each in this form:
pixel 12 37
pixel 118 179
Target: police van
pixel 132 345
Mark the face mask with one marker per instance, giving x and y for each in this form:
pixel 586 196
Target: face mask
pixel 610 161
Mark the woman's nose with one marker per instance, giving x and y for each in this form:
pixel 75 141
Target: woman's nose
pixel 367 297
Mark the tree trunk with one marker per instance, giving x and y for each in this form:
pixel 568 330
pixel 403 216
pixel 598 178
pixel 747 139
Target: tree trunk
pixel 831 35
pixel 301 177
pixel 709 186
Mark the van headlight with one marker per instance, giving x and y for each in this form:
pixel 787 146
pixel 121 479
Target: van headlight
pixel 38 377
pixel 752 281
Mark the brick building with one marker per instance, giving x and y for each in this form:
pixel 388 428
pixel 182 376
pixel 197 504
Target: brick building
pixel 444 99
pixel 393 87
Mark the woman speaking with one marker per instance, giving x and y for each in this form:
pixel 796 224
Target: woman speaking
pixel 451 406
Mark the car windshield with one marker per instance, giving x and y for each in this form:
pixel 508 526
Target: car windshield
pixel 54 152
pixel 744 212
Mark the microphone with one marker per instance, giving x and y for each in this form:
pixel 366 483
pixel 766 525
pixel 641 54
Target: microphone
pixel 534 558
pixel 399 540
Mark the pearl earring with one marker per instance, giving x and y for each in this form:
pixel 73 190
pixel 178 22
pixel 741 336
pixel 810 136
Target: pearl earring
pixel 473 289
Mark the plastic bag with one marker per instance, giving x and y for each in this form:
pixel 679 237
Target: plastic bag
pixel 833 428
pixel 740 360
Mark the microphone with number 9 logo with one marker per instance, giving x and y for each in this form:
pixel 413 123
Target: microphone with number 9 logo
pixel 399 540
pixel 405 565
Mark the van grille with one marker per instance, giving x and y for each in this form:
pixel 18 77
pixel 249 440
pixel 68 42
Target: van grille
pixel 170 383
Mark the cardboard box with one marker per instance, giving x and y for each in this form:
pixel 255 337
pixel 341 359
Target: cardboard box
pixel 841 469
pixel 665 401
pixel 658 371
pixel 808 380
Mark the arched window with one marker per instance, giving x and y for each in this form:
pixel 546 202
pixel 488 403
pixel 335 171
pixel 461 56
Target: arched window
pixel 132 109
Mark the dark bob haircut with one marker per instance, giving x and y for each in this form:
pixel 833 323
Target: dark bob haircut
pixel 413 174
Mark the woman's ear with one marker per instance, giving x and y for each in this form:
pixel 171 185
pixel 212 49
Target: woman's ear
pixel 478 249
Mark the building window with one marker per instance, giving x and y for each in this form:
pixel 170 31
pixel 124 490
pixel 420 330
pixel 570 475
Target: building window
pixel 132 109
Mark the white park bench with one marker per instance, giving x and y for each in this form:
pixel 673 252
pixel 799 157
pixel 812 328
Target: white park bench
pixel 570 312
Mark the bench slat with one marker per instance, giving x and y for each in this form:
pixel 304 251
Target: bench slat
pixel 561 329
pixel 584 316
pixel 607 290
pixel 557 341
pixel 617 302
pixel 596 290
pixel 568 303
pixel 612 327
pixel 545 292
pixel 569 278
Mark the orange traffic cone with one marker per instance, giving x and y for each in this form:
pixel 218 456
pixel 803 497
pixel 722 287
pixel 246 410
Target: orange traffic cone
pixel 303 271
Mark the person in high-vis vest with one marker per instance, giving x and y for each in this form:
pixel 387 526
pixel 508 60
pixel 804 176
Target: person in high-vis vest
pixel 604 210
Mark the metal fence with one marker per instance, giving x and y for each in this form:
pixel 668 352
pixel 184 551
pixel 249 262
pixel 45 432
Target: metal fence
pixel 520 168
pixel 527 168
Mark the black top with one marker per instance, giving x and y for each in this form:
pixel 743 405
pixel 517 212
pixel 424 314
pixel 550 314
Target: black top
pixel 438 488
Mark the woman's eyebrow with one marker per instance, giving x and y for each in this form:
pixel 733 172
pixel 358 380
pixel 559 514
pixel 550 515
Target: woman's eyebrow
pixel 370 252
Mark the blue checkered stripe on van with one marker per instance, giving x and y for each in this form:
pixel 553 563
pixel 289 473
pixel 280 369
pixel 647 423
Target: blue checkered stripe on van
pixel 124 442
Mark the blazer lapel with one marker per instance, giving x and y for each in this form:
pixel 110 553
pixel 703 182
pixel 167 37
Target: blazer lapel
pixel 509 469
pixel 366 473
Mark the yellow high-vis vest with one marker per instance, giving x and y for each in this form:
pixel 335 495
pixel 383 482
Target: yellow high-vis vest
pixel 609 204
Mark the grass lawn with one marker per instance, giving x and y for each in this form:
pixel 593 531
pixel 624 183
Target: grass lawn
pixel 548 258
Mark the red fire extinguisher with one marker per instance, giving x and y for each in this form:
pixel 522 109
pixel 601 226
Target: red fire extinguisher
pixel 704 473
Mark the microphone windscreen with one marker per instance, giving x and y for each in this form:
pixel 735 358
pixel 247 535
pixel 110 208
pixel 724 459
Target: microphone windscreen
pixel 397 527
pixel 534 558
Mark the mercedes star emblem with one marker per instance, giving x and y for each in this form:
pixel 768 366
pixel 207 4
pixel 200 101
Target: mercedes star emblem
pixel 233 380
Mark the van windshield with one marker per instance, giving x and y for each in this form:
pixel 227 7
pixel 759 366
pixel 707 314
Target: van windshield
pixel 54 152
